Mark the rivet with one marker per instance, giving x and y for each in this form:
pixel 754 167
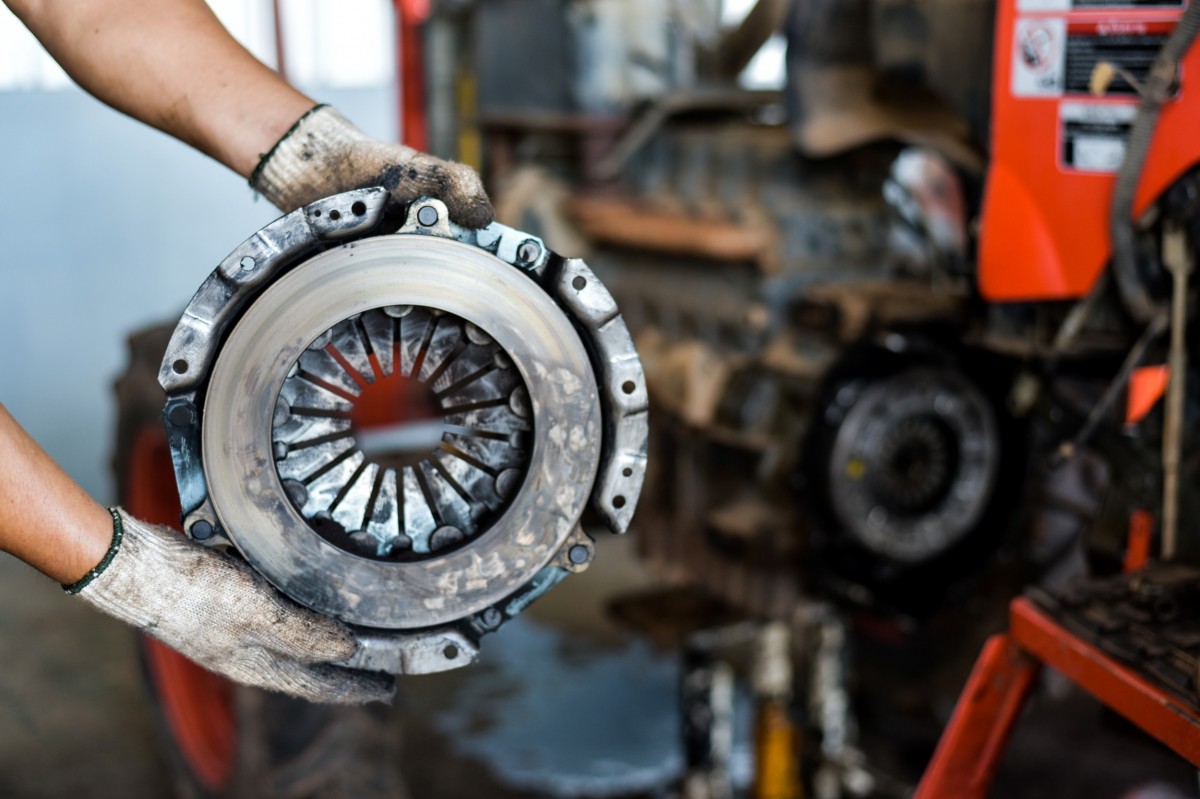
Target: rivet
pixel 181 415
pixel 427 215
pixel 202 530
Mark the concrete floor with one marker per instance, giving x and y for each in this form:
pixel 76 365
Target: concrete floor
pixel 74 720
pixel 561 704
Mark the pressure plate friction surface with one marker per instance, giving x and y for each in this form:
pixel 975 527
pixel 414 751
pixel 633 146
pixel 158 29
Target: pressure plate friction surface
pixel 416 521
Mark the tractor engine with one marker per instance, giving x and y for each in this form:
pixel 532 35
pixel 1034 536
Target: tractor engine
pixel 852 391
pixel 822 417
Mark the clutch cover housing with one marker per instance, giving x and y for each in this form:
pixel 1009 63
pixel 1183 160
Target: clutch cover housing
pixel 401 427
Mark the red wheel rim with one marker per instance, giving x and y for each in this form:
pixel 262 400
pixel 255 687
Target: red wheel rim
pixel 198 705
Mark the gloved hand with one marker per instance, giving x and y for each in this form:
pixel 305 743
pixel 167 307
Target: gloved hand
pixel 218 612
pixel 325 154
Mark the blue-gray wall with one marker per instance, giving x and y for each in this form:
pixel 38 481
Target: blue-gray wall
pixel 107 226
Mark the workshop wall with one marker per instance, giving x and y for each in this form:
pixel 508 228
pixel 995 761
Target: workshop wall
pixel 108 226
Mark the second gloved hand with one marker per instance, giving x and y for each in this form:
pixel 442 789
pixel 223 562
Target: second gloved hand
pixel 324 154
pixel 214 609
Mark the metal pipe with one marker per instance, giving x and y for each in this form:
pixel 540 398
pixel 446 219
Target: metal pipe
pixel 1178 261
pixel 410 73
pixel 1156 328
pixel 776 739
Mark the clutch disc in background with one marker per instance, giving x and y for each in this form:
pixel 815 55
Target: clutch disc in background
pixel 914 463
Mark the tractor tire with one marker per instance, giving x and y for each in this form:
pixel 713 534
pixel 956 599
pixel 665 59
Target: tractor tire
pixel 224 740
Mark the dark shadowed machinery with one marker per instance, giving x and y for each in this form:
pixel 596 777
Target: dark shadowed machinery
pixel 913 329
pixel 904 317
pixel 828 402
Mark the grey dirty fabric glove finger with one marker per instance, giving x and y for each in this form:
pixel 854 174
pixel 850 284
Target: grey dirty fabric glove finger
pixel 215 610
pixel 324 154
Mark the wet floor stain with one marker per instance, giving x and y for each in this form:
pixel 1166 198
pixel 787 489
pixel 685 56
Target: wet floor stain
pixel 558 714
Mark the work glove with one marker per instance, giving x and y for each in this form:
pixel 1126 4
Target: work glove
pixel 214 609
pixel 325 154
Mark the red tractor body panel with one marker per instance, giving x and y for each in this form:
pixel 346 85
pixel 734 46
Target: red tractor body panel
pixel 1056 148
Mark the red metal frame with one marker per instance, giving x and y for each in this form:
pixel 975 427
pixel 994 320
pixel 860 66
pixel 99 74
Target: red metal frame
pixel 410 77
pixel 1139 541
pixel 1045 227
pixel 969 753
pixel 1163 716
pixel 198 706
pixel 971 747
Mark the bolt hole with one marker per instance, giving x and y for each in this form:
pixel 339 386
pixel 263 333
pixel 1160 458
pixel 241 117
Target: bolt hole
pixel 627 472
pixel 180 366
pixel 317 212
pixel 451 652
pixel 334 215
pixel 247 263
pixel 579 283
pixel 629 387
pixel 359 208
pixel 618 501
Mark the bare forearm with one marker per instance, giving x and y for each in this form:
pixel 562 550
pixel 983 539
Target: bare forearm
pixel 46 519
pixel 234 624
pixel 172 65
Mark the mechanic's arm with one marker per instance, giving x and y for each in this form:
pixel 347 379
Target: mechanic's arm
pixel 207 605
pixel 171 64
pixel 46 519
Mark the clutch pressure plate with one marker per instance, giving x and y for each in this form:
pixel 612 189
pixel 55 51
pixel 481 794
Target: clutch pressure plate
pixel 401 428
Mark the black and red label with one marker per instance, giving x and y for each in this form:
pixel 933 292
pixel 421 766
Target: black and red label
pixel 1069 5
pixel 1054 57
pixel 1132 46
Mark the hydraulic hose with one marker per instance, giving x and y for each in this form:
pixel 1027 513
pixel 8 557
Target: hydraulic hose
pixel 1155 92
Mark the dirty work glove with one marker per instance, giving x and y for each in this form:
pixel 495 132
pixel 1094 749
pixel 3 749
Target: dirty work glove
pixel 215 610
pixel 325 154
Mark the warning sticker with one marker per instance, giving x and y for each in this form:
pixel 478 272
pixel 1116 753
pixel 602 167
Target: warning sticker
pixel 1130 45
pixel 1067 5
pixel 1052 57
pixel 1039 63
pixel 1093 135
